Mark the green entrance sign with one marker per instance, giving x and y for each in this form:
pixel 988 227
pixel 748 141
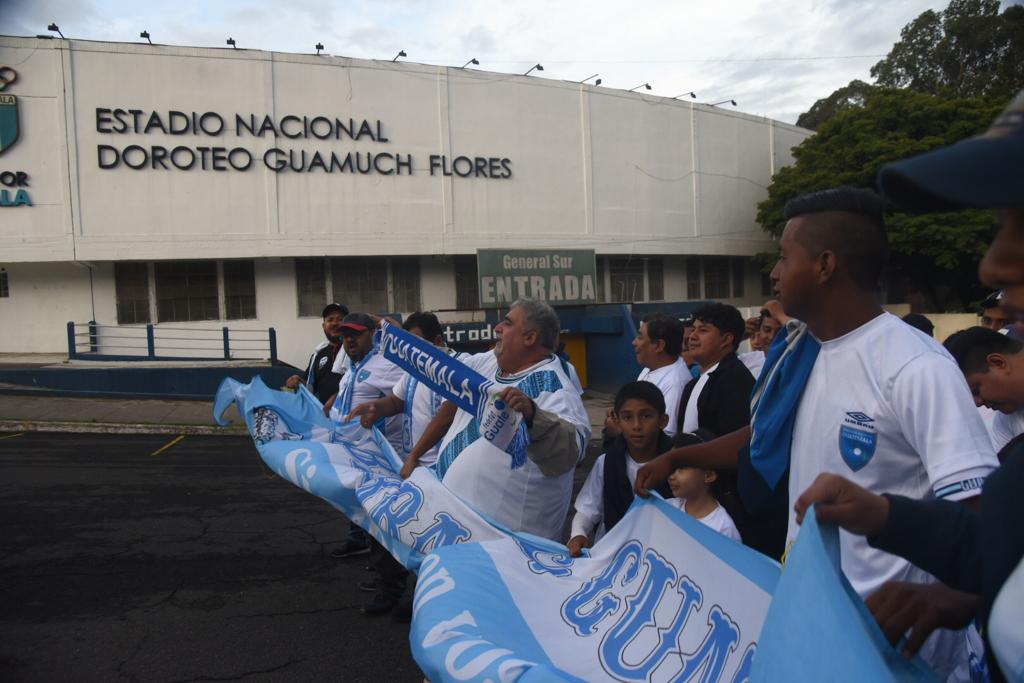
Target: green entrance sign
pixel 561 277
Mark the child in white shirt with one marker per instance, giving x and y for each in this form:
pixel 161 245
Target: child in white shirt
pixel 691 487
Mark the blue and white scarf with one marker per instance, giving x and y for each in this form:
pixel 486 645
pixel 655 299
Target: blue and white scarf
pixel 461 385
pixel 776 397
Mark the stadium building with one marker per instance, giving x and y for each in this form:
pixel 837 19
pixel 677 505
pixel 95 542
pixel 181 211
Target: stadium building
pixel 196 188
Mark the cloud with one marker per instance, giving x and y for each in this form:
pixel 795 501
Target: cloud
pixel 674 46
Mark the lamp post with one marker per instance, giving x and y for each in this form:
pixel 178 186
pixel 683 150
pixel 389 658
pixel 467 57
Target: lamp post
pixel 537 67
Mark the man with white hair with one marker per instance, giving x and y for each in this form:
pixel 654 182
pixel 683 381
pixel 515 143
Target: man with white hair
pixel 534 497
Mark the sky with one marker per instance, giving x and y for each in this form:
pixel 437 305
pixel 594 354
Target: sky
pixel 773 57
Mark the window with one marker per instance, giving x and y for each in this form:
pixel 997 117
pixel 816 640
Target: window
pixel 655 279
pixel 627 279
pixel 131 292
pixel 405 281
pixel 239 290
pixel 5 290
pixel 311 284
pixel 716 277
pixel 186 290
pixel 467 283
pixel 361 283
pixel 739 272
pixel 693 277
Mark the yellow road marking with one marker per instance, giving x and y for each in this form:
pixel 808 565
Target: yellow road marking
pixel 11 436
pixel 168 445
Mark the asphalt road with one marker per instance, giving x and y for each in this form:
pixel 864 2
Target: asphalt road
pixel 188 565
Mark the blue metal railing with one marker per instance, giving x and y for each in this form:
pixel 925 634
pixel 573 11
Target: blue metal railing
pixel 92 341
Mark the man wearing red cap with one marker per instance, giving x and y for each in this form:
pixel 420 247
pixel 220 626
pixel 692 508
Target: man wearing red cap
pixel 370 377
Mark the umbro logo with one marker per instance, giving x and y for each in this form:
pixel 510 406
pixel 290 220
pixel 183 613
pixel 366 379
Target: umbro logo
pixel 855 417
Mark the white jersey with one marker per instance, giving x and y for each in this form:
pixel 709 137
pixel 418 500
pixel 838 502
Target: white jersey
pixel 754 360
pixel 887 407
pixel 671 379
pixel 520 499
pixel 342 363
pixel 718 519
pixel 589 518
pixel 691 418
pixel 368 380
pixel 421 404
pixel 1006 427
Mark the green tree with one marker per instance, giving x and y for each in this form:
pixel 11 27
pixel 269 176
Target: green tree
pixel 938 254
pixel 848 97
pixel 969 49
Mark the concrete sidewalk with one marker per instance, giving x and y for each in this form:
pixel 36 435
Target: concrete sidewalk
pixel 133 416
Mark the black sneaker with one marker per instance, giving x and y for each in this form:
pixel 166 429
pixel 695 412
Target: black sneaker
pixel 381 604
pixel 350 549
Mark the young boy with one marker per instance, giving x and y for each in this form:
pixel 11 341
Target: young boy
pixel 692 488
pixel 608 490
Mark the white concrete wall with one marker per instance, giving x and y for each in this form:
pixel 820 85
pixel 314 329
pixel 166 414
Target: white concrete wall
pixel 43 231
pixel 43 298
pixel 437 283
pixel 591 167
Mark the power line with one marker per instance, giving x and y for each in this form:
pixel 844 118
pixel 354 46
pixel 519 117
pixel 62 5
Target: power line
pixel 690 60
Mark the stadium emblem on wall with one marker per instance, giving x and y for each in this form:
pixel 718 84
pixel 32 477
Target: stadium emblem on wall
pixel 8 109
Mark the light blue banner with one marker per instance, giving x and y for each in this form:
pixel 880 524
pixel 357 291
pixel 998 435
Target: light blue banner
pixel 660 598
pixel 819 629
pixel 356 471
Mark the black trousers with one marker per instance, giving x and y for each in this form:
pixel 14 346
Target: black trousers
pixel 391 575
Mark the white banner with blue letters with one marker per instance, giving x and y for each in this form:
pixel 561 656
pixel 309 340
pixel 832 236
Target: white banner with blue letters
pixel 355 470
pixel 660 598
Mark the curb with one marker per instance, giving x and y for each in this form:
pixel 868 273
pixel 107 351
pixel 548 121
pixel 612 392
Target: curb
pixel 114 428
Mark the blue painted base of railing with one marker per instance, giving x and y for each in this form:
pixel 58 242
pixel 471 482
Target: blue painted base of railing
pixel 198 384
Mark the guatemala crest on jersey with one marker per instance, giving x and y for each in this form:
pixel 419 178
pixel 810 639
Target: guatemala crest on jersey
pixel 363 375
pixel 8 121
pixel 857 440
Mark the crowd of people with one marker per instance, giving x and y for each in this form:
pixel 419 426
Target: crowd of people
pixel 837 404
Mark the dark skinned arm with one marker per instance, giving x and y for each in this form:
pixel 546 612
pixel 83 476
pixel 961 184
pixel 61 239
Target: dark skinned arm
pixel 718 454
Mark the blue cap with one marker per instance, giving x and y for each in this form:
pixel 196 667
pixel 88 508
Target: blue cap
pixel 984 172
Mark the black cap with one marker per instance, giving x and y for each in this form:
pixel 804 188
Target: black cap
pixel 993 300
pixel 334 308
pixel 360 322
pixel 985 172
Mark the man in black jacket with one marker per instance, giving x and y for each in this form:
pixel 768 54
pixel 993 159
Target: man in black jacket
pixel 719 400
pixel 319 376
